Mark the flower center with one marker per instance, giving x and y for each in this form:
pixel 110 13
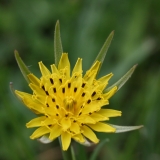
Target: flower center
pixel 69 103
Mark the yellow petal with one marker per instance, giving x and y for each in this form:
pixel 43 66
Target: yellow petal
pixel 104 81
pixel 75 128
pixel 39 132
pixel 109 112
pixel 64 61
pixel 54 69
pixel 55 132
pixel 105 78
pixel 66 140
pixel 90 72
pixel 65 123
pixel 110 93
pixel 33 79
pixel 79 138
pixel 78 66
pixel 87 132
pixel 44 69
pixel 102 127
pixel 22 94
pixel 36 122
pixel 98 117
pixel 37 89
pixel 86 119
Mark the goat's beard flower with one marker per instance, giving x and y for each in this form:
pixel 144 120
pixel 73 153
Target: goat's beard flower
pixel 69 105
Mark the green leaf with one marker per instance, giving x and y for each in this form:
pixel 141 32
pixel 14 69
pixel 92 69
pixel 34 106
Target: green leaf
pixel 24 69
pixel 58 50
pixel 98 149
pixel 120 129
pixel 122 80
pixel 101 55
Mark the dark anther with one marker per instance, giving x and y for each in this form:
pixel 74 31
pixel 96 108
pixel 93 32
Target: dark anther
pixel 47 105
pixel 54 89
pixel 83 85
pixel 57 114
pixel 82 124
pixel 51 80
pixel 98 98
pixel 60 80
pixel 53 100
pixel 63 90
pixel 80 113
pixel 90 113
pixel 50 125
pixel 93 94
pixel 83 94
pixel 43 88
pixel 82 106
pixel 75 89
pixel 69 85
pixel 47 93
pixel 57 106
pixel 75 76
pixel 74 121
pixel 66 115
pixel 46 116
pixel 88 101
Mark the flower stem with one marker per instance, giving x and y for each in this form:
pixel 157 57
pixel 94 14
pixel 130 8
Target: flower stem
pixel 69 154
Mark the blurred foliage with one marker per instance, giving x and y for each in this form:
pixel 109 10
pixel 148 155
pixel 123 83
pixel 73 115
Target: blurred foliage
pixel 28 26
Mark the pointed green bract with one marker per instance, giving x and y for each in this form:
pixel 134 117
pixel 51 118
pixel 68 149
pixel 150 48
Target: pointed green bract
pixel 101 55
pixel 122 80
pixel 24 69
pixel 98 149
pixel 58 50
pixel 120 129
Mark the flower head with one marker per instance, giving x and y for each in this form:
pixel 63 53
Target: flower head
pixel 69 104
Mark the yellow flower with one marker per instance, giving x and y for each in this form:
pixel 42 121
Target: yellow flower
pixel 69 105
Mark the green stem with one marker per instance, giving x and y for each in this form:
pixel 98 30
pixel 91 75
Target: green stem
pixel 69 154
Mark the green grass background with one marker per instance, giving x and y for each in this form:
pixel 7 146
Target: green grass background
pixel 28 26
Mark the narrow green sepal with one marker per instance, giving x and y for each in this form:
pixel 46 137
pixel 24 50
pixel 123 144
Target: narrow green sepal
pixel 98 149
pixel 58 49
pixel 102 53
pixel 24 69
pixel 122 80
pixel 120 129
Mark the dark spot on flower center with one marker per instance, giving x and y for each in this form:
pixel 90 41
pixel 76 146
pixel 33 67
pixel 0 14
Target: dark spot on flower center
pixel 88 101
pixel 80 113
pixel 54 89
pixel 75 89
pixel 99 98
pixel 93 94
pixel 57 114
pixel 53 100
pixel 43 88
pixel 60 80
pixel 51 80
pixel 83 85
pixel 63 90
pixel 57 106
pixel 47 105
pixel 47 93
pixel 83 94
pixel 69 85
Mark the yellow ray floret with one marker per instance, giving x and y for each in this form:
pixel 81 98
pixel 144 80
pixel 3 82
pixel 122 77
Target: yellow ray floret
pixel 69 103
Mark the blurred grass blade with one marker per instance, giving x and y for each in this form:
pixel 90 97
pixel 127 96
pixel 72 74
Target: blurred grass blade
pixel 98 149
pixel 101 55
pixel 122 80
pixel 120 129
pixel 24 69
pixel 58 50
